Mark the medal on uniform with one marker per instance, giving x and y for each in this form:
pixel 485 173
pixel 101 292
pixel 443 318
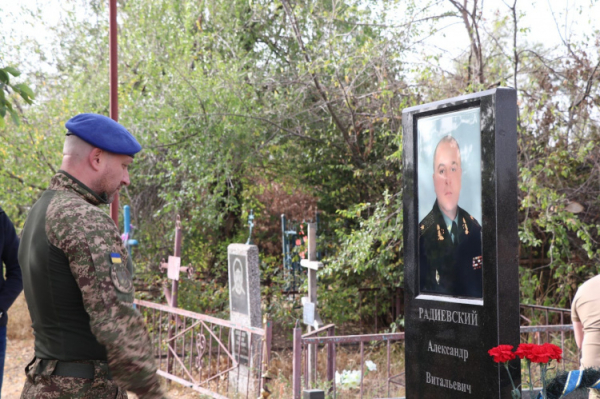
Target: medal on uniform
pixel 477 262
pixel 437 276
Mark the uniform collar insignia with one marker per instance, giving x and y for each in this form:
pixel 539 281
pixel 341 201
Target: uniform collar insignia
pixel 440 233
pixel 63 181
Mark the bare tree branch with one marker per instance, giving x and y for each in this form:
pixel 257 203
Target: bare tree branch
pixel 322 93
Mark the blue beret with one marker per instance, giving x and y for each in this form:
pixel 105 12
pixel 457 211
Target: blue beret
pixel 104 133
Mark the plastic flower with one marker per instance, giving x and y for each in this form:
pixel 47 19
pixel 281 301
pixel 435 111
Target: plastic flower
pixel 348 379
pixel 371 366
pixel 502 353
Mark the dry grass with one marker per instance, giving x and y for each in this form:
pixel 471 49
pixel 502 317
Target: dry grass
pixel 19 322
pixel 347 358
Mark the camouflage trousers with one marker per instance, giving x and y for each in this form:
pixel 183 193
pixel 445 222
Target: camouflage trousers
pixel 41 384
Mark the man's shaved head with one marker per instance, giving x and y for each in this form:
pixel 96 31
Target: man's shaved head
pixel 75 150
pixel 102 171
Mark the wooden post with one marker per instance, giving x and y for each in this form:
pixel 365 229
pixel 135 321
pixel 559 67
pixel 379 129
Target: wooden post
pixel 177 253
pixel 114 88
pixel 312 296
pixel 315 322
pixel 297 363
pixel 173 299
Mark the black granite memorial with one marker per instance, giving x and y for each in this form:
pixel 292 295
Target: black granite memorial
pixel 460 245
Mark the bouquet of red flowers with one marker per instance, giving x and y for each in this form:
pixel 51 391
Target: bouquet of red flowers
pixel 532 353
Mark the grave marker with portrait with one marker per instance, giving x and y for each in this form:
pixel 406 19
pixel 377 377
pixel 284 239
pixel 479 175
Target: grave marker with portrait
pixel 245 308
pixel 461 244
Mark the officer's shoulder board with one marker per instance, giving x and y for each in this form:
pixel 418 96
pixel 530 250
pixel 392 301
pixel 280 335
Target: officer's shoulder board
pixel 470 218
pixel 426 223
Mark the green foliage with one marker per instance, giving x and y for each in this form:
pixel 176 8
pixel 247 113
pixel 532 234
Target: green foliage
pixel 237 102
pixel 11 89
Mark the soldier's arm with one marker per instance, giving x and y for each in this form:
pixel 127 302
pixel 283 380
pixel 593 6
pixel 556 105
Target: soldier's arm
pixel 115 324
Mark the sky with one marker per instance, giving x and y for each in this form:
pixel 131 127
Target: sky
pixel 548 22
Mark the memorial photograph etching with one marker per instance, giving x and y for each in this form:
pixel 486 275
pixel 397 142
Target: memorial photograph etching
pixel 449 204
pixel 238 283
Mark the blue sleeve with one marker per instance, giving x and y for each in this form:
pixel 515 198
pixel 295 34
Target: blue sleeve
pixel 14 282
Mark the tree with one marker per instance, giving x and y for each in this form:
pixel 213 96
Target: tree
pixel 236 101
pixel 6 89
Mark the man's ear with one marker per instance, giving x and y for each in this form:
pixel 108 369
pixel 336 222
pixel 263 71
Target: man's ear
pixel 95 158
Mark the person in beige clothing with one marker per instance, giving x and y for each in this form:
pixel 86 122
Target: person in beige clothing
pixel 585 313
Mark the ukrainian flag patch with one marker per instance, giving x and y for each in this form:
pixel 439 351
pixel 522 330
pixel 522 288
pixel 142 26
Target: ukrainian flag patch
pixel 115 257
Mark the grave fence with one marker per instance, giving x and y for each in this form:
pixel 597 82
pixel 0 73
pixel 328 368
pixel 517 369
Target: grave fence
pixel 540 324
pixel 390 378
pixel 392 374
pixel 196 350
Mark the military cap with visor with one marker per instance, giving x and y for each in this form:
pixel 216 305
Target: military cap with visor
pixel 104 133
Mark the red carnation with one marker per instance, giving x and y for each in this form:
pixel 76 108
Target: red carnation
pixel 502 353
pixel 540 354
pixel 524 350
pixel 554 351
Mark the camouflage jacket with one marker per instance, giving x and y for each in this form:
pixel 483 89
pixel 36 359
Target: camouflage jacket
pixel 82 238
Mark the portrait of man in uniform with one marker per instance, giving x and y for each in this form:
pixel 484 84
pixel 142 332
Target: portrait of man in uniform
pixel 450 250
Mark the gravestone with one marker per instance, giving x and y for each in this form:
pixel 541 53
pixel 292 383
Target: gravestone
pixel 460 245
pixel 245 310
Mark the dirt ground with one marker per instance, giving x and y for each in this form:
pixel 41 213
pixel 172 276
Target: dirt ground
pixel 20 352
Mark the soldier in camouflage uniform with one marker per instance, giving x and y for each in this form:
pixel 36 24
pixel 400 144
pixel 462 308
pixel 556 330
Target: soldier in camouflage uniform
pixel 89 340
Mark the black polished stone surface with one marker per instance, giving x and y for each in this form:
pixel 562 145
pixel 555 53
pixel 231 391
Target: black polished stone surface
pixel 447 338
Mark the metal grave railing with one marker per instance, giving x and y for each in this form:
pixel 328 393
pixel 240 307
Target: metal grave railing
pixel 215 357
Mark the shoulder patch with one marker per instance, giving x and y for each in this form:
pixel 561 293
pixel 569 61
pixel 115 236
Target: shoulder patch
pixel 120 276
pixel 115 257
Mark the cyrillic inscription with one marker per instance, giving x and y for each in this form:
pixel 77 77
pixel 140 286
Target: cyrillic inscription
pixel 449 316
pixel 446 383
pixel 448 350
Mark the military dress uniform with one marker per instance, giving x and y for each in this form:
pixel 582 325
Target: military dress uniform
pixel 448 267
pixel 89 340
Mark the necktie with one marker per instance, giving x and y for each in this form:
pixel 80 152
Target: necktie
pixel 454 233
